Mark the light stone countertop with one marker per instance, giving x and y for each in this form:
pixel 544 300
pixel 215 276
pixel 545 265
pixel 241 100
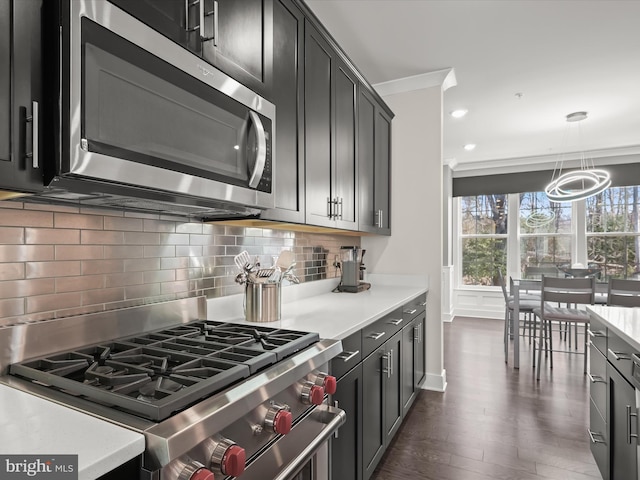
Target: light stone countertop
pixel 624 321
pixel 31 425
pixel 313 307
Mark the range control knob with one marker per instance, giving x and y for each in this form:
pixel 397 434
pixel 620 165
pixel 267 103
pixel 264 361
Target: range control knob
pixel 195 471
pixel 328 382
pixel 312 394
pixel 228 457
pixel 279 419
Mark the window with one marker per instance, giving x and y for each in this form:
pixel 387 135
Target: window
pixel 545 235
pixel 484 238
pixel 613 236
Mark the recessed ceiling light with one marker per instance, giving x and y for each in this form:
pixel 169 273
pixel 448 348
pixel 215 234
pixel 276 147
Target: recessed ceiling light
pixel 469 146
pixel 459 113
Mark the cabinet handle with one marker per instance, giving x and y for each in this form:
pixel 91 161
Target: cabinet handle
pixel 204 14
pixel 378 219
pixel 391 362
pixel 188 4
pixel 629 434
pixel 386 369
pixel 395 322
pixel 329 208
pixel 346 356
pixel 619 355
pixel 215 23
pixel 416 334
pixel 341 205
pixel 593 435
pixel 376 336
pixel 33 119
pixel 423 304
pixel 596 334
pixel 596 378
pixel 409 312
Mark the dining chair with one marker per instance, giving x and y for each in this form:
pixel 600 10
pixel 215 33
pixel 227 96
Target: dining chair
pixel 525 304
pixel 559 301
pixel 623 292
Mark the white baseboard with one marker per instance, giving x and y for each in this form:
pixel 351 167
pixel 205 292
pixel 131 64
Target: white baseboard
pixel 448 317
pixel 437 383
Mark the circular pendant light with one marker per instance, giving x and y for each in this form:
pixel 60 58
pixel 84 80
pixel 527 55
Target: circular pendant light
pixel 577 184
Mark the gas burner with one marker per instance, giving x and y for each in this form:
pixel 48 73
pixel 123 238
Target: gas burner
pixel 158 389
pixel 108 377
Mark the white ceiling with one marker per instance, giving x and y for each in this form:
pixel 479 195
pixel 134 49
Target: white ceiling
pixel 563 56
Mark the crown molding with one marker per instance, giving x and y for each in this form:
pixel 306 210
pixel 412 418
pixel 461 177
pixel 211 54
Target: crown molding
pixel 445 78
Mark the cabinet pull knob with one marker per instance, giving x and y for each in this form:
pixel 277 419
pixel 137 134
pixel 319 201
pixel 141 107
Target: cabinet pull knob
pixel 376 335
pixel 630 435
pixel 593 435
pixel 346 356
pixel 33 120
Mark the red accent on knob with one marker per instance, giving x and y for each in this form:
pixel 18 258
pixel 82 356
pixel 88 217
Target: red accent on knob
pixel 234 460
pixel 316 395
pixel 202 474
pixel 282 422
pixel 330 384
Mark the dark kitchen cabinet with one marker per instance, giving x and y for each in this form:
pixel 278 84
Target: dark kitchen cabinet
pixel 240 41
pixel 330 136
pixel 393 387
pixel 288 96
pixel 346 445
pixel 374 157
pixel 413 360
pixel 21 104
pixel 622 423
pixel 236 36
pixel 373 430
pixel 168 17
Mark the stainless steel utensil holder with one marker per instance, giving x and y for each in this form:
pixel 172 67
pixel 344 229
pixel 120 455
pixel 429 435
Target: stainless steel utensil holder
pixel 262 302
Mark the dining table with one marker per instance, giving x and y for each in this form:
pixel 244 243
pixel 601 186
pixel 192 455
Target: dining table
pixel 532 287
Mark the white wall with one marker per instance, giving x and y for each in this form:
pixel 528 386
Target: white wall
pixel 415 246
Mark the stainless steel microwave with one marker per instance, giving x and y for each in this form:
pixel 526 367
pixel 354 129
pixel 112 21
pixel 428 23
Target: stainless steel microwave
pixel 146 124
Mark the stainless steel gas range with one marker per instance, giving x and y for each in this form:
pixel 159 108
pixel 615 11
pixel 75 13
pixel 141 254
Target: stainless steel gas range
pixel 212 399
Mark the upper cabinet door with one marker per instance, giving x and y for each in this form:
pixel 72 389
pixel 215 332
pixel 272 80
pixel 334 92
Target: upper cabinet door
pixel 374 165
pixel 5 81
pixel 344 178
pixel 288 96
pixel 330 136
pixel 21 106
pixel 238 39
pixel 235 36
pixel 175 19
pixel 318 86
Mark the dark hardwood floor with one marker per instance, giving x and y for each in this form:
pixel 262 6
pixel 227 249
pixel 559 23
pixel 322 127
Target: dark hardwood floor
pixel 494 422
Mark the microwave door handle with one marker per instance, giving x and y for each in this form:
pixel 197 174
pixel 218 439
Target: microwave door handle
pixel 261 153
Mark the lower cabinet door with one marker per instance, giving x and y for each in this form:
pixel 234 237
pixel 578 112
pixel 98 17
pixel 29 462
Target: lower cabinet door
pixel 373 428
pixel 346 444
pixel 409 350
pixel 393 387
pixel 622 425
pixel 598 440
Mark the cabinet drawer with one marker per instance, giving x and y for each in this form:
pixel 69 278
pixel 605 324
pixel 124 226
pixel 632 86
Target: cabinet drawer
pixel 598 440
pixel 598 377
pixel 619 355
pixel 598 334
pixel 350 357
pixel 414 308
pixel 380 331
